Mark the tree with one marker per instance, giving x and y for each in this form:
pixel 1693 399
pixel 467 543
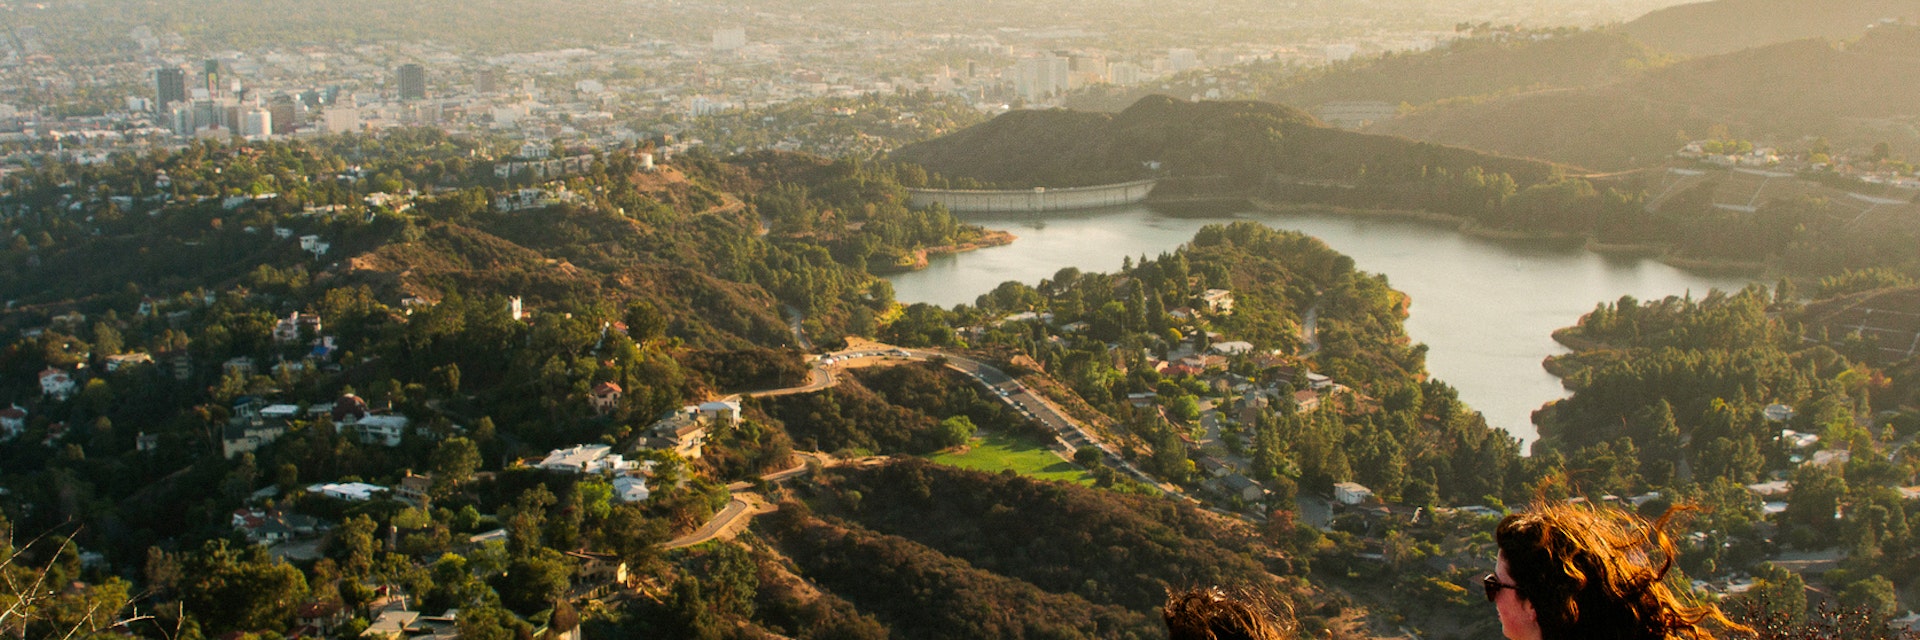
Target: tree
pixel 956 431
pixel 1780 592
pixel 644 322
pixel 1087 456
pixel 353 545
pixel 534 581
pixel 490 622
pixel 453 462
pixel 227 590
pixel 1875 595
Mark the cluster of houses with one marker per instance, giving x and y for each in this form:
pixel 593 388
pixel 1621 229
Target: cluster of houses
pixel 533 198
pixel 682 431
pixel 1722 154
pixel 255 423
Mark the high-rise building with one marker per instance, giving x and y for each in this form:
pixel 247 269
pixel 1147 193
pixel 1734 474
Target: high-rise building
pixel 212 69
pixel 413 82
pixel 484 81
pixel 258 123
pixel 169 86
pixel 181 119
pixel 283 114
pixel 1041 77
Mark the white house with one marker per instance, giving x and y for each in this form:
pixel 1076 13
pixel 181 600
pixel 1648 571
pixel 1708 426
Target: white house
pixel 13 420
pixel 1218 300
pixel 720 412
pixel 349 491
pixel 313 244
pixel 1232 348
pixel 630 489
pixel 1351 493
pixel 382 429
pixel 56 384
pixel 586 458
pixel 288 329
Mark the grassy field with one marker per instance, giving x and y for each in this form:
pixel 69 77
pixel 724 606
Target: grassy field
pixel 994 452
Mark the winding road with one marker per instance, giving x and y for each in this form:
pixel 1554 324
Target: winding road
pixel 1069 434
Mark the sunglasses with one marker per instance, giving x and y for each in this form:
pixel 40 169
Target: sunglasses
pixel 1493 585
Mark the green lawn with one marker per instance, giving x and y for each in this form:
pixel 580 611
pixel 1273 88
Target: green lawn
pixel 994 452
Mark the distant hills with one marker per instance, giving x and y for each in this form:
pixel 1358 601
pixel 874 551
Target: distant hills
pixel 1240 141
pixel 1855 93
pixel 1475 67
pixel 1724 26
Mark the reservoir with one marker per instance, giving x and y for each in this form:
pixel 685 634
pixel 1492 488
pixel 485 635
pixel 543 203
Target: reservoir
pixel 1485 308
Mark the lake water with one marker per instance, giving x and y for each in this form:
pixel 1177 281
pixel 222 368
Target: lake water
pixel 1485 308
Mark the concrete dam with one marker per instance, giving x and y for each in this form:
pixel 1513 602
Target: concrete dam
pixel 1035 200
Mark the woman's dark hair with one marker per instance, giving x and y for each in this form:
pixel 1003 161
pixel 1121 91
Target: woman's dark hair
pixel 1213 614
pixel 1599 572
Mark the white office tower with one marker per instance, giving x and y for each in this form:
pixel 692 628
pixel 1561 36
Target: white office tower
pixel 181 119
pixel 729 39
pixel 1041 77
pixel 257 124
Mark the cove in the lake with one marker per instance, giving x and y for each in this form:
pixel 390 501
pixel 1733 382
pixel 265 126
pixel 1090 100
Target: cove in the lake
pixel 1485 308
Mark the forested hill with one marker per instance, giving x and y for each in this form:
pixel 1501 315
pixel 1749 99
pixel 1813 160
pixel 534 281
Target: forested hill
pixel 1783 91
pixel 1723 26
pixel 1244 141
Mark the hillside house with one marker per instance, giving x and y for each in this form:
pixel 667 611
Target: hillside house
pixel 391 624
pixel 631 489
pixel 13 420
pixel 249 435
pixel 683 432
pixel 321 619
pixel 1307 399
pixel 274 527
pixel 121 361
pixel 1351 493
pixel 1231 348
pixel 606 397
pixel 1243 487
pixel 720 412
pixel 414 489
pixel 289 329
pixel 1218 300
pixel 587 458
pixel 56 383
pixel 596 574
pixel 349 491
pixel 240 366
pixel 386 430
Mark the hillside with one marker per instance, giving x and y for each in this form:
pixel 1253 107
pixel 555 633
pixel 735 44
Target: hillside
pixel 1243 141
pixel 1474 67
pixel 1723 26
pixel 1855 94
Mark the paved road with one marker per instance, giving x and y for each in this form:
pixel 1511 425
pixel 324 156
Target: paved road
pixel 738 511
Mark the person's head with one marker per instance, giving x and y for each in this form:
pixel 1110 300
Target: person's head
pixel 1575 571
pixel 1213 614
